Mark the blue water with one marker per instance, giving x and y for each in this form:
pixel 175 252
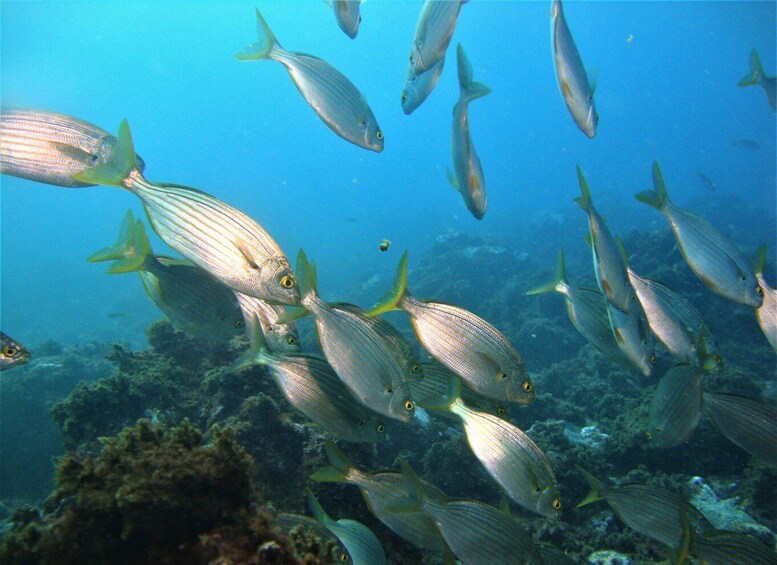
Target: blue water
pixel 667 74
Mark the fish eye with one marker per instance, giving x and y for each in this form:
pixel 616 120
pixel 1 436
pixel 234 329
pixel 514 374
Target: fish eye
pixel 343 557
pixel 409 405
pixel 759 291
pixel 717 359
pixel 9 351
pixel 415 368
pixel 501 411
pixel 742 277
pixel 556 504
pixel 287 281
pixel 379 134
pixel 381 428
pixel 291 340
pixel 238 323
pixel 653 359
pixel 404 97
pixel 527 386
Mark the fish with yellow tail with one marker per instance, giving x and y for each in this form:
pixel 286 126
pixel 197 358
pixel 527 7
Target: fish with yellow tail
pixel 756 76
pixel 465 343
pixel 213 235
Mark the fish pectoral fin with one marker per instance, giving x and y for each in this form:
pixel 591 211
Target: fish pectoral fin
pixel 606 287
pixel 452 179
pixel 493 367
pixel 618 336
pixel 243 248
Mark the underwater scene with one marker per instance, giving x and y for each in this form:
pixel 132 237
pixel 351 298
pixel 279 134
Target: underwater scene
pixel 398 281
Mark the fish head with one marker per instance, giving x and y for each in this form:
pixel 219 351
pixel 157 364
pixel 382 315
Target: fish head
pixel 371 429
pixel 519 389
pixel 12 353
pixel 401 405
pixel 418 86
pixel 754 292
pixel 278 283
pixel 372 136
pixel 591 121
pixel 282 338
pixel 549 501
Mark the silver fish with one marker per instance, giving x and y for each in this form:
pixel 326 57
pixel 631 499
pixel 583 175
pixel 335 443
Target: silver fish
pixel 468 178
pixel 632 334
pixel 476 532
pixel 587 312
pixel 508 454
pixel 732 548
pixel 12 353
pixel 362 545
pixel 189 297
pixel 767 311
pixel 361 356
pixel 609 265
pixel 757 76
pixel 263 317
pixel 749 423
pixel 417 88
pixel 572 79
pixel 213 235
pixel 435 384
pixel 676 406
pixel 328 91
pixel 711 256
pixel 48 147
pixel 466 344
pixel 676 323
pixel 347 15
pixel 379 491
pixel 433 33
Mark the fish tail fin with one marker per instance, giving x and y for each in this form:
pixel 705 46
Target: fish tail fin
pixel 263 48
pixel 131 252
pixel 760 260
pixel 391 299
pixel 122 161
pixel 658 197
pixel 584 200
pixel 596 487
pixel 445 401
pixel 306 275
pixel 756 71
pixel 622 250
pixel 316 509
pixel 470 90
pixel 680 555
pixel 561 277
pixel 414 500
pixel 340 466
pixel 123 246
pixel 292 314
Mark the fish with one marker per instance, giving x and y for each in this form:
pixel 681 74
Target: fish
pixel 576 90
pixel 362 357
pixel 362 545
pixel 188 296
pixel 507 453
pixel 707 182
pixel 380 490
pixel 676 406
pixel 676 323
pixel 766 313
pixel 384 245
pixel 418 87
pixel 213 235
pixel 749 423
pixel 749 144
pixel 466 344
pixel 653 512
pixel 433 33
pixel 50 148
pixel 435 385
pixel 12 353
pixel 328 91
pixel 731 548
pixel 609 265
pixel 468 179
pixel 714 259
pixel 633 336
pixel 477 533
pixel 347 15
pixel 263 317
pixel 756 76
pixel 588 313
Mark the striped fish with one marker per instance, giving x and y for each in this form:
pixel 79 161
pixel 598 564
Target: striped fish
pixel 435 385
pixel 311 385
pixel 213 235
pixel 359 541
pixel 328 91
pixel 716 261
pixel 749 423
pixel 767 311
pixel 576 90
pixel 676 406
pixel 365 361
pixel 609 264
pixel 263 317
pixel 192 300
pixel 48 147
pixel 587 312
pixel 732 548
pixel 478 534
pixel 417 88
pixel 433 33
pixel 506 452
pixel 468 178
pixel 632 334
pixel 466 344
pixel 676 323
pixel 651 511
pixel 380 490
pixel 347 15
